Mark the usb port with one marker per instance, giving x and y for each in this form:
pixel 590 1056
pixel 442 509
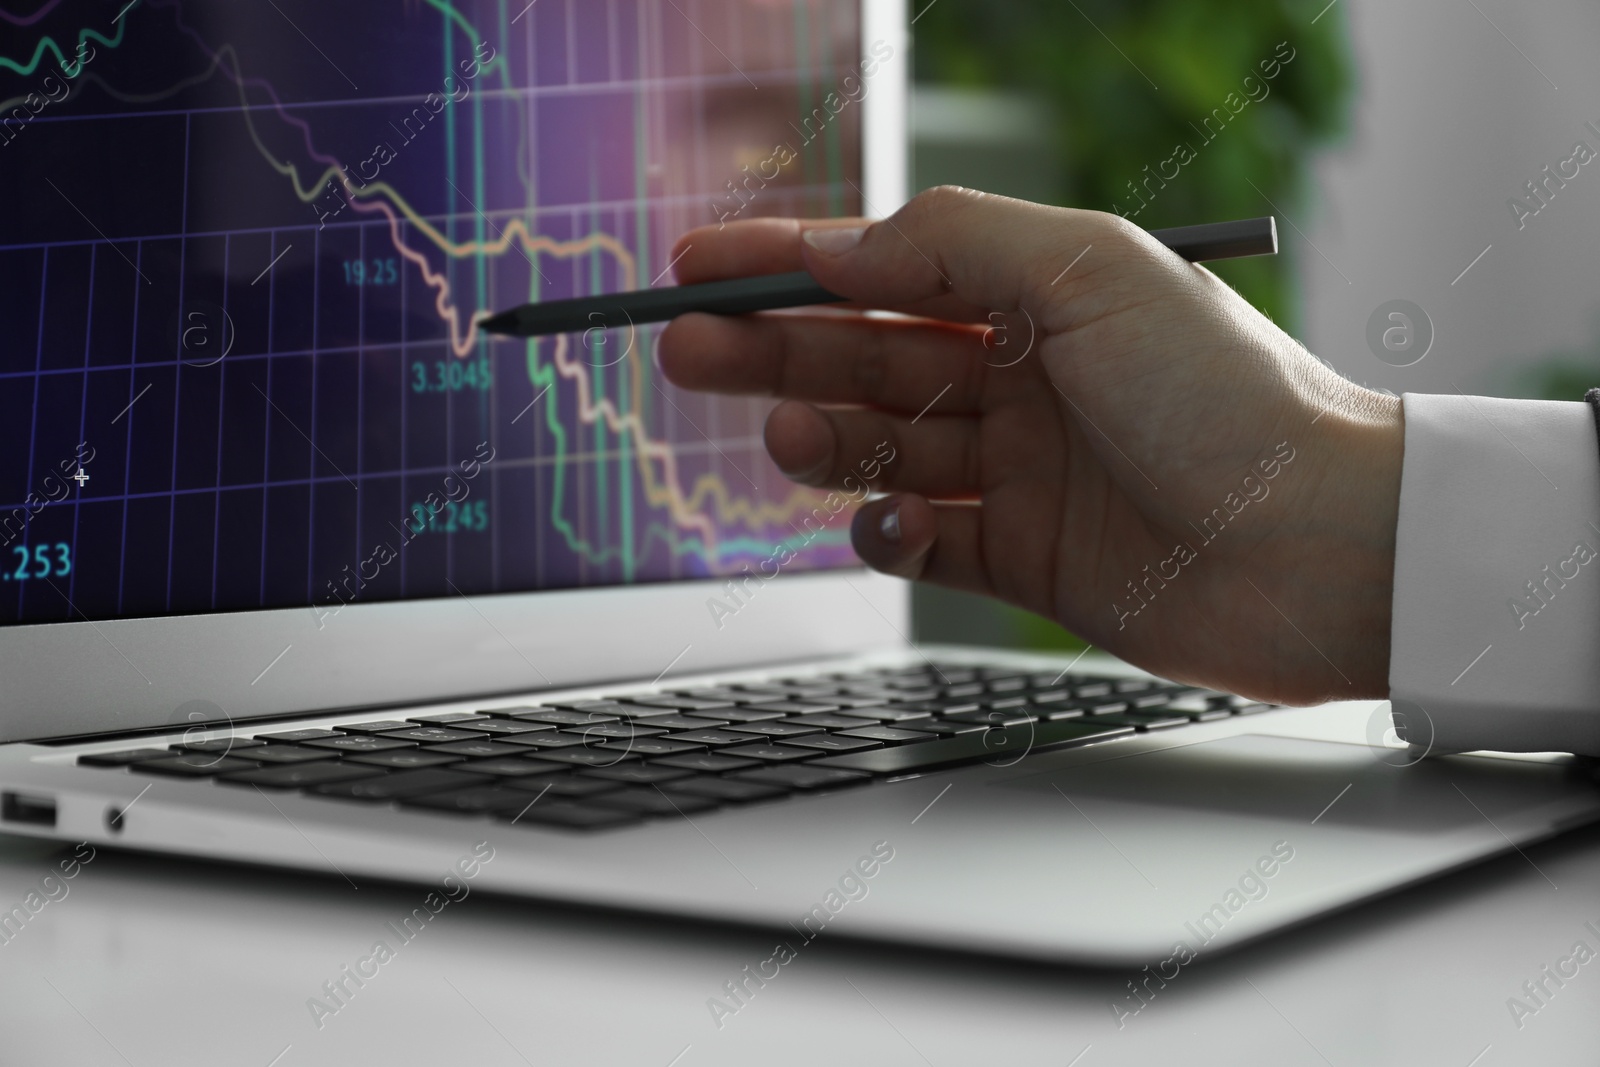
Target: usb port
pixel 20 807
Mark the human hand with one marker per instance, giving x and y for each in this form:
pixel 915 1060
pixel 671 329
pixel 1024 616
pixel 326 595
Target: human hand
pixel 1163 471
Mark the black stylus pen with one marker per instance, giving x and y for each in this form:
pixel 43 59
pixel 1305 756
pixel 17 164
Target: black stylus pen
pixel 739 296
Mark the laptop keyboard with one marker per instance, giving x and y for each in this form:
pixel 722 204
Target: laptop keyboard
pixel 603 763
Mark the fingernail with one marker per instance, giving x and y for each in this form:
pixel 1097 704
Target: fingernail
pixel 834 242
pixel 889 526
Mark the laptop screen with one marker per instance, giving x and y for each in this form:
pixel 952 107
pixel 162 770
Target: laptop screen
pixel 245 246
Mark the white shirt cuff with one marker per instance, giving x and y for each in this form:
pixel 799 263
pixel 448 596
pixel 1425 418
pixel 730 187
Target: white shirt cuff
pixel 1496 627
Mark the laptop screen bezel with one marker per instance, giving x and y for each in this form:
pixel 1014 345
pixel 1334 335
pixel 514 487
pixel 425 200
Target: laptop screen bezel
pixel 74 679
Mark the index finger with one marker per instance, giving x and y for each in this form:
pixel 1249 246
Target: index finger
pixel 747 247
pixel 752 247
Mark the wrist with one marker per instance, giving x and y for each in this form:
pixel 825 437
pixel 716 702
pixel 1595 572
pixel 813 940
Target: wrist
pixel 1358 447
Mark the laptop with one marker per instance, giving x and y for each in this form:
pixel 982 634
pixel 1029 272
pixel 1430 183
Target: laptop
pixel 299 569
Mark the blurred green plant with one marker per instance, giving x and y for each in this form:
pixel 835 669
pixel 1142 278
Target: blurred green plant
pixel 1562 374
pixel 1565 377
pixel 1130 80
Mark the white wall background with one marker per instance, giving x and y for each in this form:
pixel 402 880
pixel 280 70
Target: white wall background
pixel 1449 121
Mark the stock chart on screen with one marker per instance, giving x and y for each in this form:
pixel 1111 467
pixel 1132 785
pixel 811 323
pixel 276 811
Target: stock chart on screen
pixel 243 254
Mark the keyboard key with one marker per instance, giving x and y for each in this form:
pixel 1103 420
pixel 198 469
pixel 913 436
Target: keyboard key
pixel 663 746
pixel 684 722
pixel 829 721
pixel 615 708
pixel 400 784
pixel 626 731
pixel 1208 715
pixel 374 727
pixel 540 741
pixel 759 713
pixel 986 745
pixel 832 743
pixel 738 696
pixel 589 757
pixel 286 754
pixel 707 763
pixel 1253 709
pixel 1067 709
pixel 811 695
pixel 431 735
pixel 194 765
pixel 727 789
pixel 1151 700
pixel 973 689
pixel 563 787
pixel 574 816
pixel 477 749
pixel 473 800
pixel 359 743
pixel 1132 685
pixel 1198 700
pixel 562 717
pixel 753 699
pixel 714 738
pixel 1053 680
pixel 299 735
pixel 633 712
pixel 1144 720
pixel 447 717
pixel 857 676
pixel 512 712
pixel 986 673
pixel 303 774
pixel 849 703
pixel 993 717
pixel 870 691
pixel 910 683
pixel 1092 689
pixel 502 727
pixel 726 694
pixel 221 745
pixel 676 703
pixel 946 729
pixel 928 693
pixel 889 735
pixel 769 753
pixel 802 777
pixel 401 758
pixel 947 705
pixel 635 773
pixel 775 728
pixel 511 767
pixel 896 713
pixel 799 707
pixel 652 802
pixel 123 758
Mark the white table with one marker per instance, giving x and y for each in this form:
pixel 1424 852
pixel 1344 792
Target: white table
pixel 151 961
